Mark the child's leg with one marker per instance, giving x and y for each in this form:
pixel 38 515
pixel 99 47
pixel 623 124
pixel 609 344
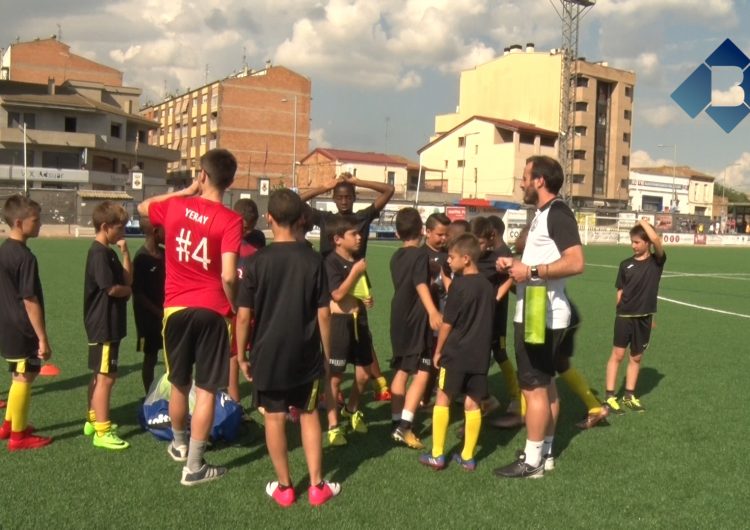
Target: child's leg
pixel 612 365
pixel 631 376
pixel 100 401
pixel 473 416
pixel 554 405
pixel 233 389
pixel 311 443
pixel 379 381
pixel 413 395
pixel 275 427
pixel 334 387
pixel 398 393
pixel 202 419
pixel 440 421
pixel 90 413
pixel 178 407
pixel 147 370
pixel 361 375
pixel 510 377
pixel 19 400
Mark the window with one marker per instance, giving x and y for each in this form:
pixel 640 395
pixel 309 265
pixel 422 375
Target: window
pixel 115 130
pixel 526 138
pixel 578 178
pixel 460 163
pixel 203 140
pixel 461 141
pixel 624 183
pixel 579 154
pixel 70 124
pixel 392 178
pixel 626 137
pixel 14 120
pixel 582 106
pixel 204 99
pixel 628 114
pixel 141 137
pixel 30 120
pixel 195 101
pixel 580 130
pixel 626 161
pixel 582 81
pixel 446 164
pixel 629 92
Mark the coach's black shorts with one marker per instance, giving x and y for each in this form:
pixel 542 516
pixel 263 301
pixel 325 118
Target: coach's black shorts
pixel 103 357
pixel 150 344
pixel 351 342
pixel 536 362
pixel 30 365
pixel 196 336
pixel 411 364
pixel 303 397
pixel 633 331
pixel 455 383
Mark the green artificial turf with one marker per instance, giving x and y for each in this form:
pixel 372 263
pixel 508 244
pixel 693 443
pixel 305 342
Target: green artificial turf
pixel 681 464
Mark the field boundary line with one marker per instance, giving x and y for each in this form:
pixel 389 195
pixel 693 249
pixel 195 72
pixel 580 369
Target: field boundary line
pixel 741 276
pixel 703 308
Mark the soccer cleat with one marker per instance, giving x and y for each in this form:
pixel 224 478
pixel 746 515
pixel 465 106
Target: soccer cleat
pixel 408 438
pixel 5 433
pixel 178 454
pixel 89 430
pixel 384 395
pixel 323 492
pixel 467 465
pixel 520 469
pixel 613 406
pixel 110 440
pixel 548 461
pixel 3 404
pixel 593 419
pixel 206 473
pixel 284 497
pixel 489 405
pixel 507 421
pixel 336 436
pixel 356 420
pixel 28 441
pixel 435 462
pixel 633 403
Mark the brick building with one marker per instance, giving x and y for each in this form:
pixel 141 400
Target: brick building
pixel 40 60
pixel 263 117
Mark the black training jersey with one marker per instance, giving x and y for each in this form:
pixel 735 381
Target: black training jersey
pixel 19 280
pixel 639 281
pixel 469 309
pixel 284 285
pixel 104 316
pixel 410 330
pixel 363 218
pixel 437 261
pixel 148 282
pixel 337 270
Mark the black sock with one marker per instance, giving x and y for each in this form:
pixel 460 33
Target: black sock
pixel 610 393
pixel 629 393
pixel 404 425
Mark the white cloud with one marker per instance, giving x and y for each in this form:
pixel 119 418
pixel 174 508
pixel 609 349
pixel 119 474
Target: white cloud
pixel 728 98
pixel 738 173
pixel 661 115
pixel 641 158
pixel 318 138
pixel 410 80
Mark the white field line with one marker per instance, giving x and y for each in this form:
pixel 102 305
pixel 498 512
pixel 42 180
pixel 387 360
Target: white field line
pixel 704 308
pixel 742 276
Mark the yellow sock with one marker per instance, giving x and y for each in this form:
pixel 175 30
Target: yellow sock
pixel 91 416
pixel 471 435
pixel 8 415
pixel 440 421
pixel 578 384
pixel 511 379
pixel 381 383
pixel 19 398
pixel 102 427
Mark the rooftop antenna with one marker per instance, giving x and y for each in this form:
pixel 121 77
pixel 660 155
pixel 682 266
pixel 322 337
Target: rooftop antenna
pixel 59 33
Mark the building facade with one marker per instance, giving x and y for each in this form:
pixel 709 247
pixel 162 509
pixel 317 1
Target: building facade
pixel 676 189
pixel 263 117
pixel 525 86
pixel 484 158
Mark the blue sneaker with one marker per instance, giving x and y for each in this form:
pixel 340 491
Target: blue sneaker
pixel 435 462
pixel 468 465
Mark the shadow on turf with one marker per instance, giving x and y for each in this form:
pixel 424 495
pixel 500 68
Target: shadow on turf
pixel 58 385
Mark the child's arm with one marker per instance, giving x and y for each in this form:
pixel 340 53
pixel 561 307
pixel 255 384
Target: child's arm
pixel 653 236
pixel 127 264
pixel 314 192
pixel 436 319
pixel 229 277
pixel 357 270
pixel 36 316
pixel 193 189
pixel 504 288
pixel 243 333
pixel 445 330
pixel 619 296
pixel 324 325
pixel 385 191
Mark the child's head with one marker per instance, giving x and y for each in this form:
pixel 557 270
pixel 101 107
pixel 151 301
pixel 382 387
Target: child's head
pixel 152 232
pixel 249 212
pixel 284 207
pixel 455 229
pixel 463 252
pixel 22 213
pixel 498 227
pixel 436 230
pixel 482 229
pixel 220 165
pixel 305 221
pixel 110 218
pixel 344 195
pixel 408 224
pixel 344 233
pixel 639 241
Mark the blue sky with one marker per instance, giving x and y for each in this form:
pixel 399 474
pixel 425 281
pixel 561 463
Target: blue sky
pixel 397 61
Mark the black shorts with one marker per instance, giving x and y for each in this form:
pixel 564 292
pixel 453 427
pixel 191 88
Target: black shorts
pixel 197 337
pixel 536 362
pixel 567 345
pixel 411 364
pixel 351 342
pixel 633 331
pixel 30 365
pixel 303 397
pixel 103 357
pixel 150 344
pixel 455 383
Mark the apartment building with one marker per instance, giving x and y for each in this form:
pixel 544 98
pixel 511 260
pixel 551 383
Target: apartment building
pixel 676 189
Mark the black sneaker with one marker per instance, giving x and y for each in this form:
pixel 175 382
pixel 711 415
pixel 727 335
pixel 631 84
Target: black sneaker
pixel 520 469
pixel 205 474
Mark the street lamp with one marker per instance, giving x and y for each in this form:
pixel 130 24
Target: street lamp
pixel 294 142
pixel 463 168
pixel 674 174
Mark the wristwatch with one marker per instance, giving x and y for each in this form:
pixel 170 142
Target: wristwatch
pixel 534 272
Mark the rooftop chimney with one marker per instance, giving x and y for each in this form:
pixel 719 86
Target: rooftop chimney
pixel 529 47
pixel 51 86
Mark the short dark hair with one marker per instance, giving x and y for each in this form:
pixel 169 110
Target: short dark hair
pixel 340 225
pixel 640 233
pixel 305 221
pixel 482 228
pixel 248 210
pixel 549 169
pixel 285 207
pixel 497 224
pixel 408 224
pixel 466 245
pixel 19 207
pixel 344 184
pixel 220 165
pixel 435 219
pixel 110 213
